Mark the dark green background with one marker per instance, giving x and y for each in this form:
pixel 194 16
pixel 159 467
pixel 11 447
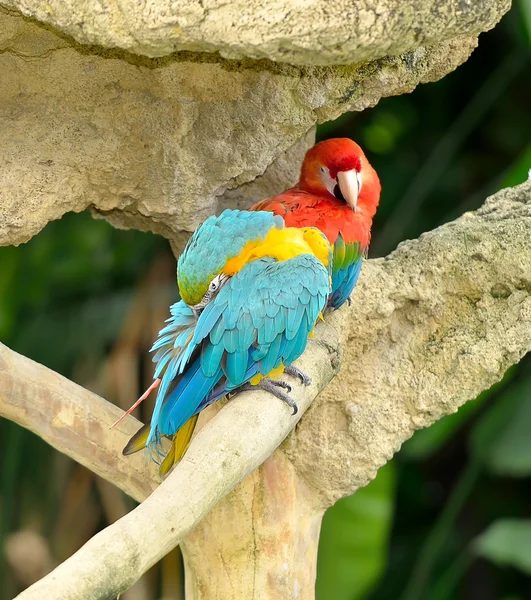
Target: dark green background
pixel 450 516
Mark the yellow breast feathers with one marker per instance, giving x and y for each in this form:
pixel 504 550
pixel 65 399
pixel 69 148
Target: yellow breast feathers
pixel 282 244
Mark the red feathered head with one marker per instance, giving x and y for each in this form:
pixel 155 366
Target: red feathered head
pixel 338 167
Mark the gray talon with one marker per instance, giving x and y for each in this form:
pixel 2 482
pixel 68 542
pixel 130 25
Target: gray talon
pixel 272 387
pixel 281 384
pixel 294 372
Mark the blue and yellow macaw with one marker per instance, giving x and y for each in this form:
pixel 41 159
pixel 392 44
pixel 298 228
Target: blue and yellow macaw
pixel 252 290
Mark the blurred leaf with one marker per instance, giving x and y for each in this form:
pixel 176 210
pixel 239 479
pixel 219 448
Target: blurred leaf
pixel 519 172
pixel 442 157
pixel 60 338
pixel 501 438
pixel 353 542
pixel 334 128
pixel 507 542
pixel 10 264
pixel 525 10
pixel 382 133
pixel 445 524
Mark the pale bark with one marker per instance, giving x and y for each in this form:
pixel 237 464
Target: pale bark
pixel 433 324
pixel 73 420
pixel 228 448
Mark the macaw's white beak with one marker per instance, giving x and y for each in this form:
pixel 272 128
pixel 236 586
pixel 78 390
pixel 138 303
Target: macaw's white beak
pixel 350 185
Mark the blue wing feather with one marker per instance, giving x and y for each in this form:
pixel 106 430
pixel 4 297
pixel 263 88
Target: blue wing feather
pixel 343 282
pixel 347 263
pixel 211 357
pixel 271 357
pixel 236 366
pixel 209 317
pixel 230 340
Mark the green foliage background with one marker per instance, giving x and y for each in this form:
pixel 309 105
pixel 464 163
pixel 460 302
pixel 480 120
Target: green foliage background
pixel 450 516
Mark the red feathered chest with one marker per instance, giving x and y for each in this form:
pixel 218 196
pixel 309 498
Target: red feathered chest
pixel 331 216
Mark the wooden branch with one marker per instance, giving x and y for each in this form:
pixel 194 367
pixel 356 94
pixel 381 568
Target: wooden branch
pixel 434 323
pixel 241 436
pixel 74 421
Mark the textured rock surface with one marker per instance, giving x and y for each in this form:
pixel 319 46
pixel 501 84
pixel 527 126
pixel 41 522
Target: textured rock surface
pixel 433 324
pixel 155 144
pixel 307 32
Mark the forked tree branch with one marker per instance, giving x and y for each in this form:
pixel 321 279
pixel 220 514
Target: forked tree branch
pixel 440 319
pixel 244 433
pixel 74 421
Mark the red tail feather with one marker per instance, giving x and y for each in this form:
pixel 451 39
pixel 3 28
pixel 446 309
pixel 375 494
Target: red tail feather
pixel 152 387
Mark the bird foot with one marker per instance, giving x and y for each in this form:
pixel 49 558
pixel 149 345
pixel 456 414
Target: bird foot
pixel 272 386
pixel 294 372
pixel 280 384
pixel 349 301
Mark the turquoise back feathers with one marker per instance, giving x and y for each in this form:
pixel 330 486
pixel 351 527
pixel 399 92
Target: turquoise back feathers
pixel 214 243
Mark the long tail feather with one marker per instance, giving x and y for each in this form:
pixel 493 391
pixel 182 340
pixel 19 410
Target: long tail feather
pixel 167 463
pixel 179 446
pixel 184 437
pixel 188 390
pixel 152 387
pixel 138 441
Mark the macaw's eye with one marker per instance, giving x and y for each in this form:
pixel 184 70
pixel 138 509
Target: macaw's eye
pixel 217 283
pixel 328 181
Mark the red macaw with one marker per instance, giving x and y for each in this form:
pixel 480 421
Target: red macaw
pixel 338 192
